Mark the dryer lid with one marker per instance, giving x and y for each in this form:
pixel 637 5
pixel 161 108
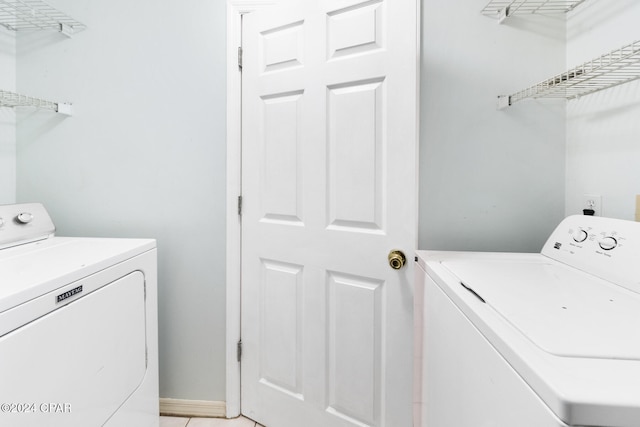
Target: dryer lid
pixel 31 270
pixel 562 310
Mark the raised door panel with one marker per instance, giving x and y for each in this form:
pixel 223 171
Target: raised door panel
pixel 282 47
pixel 355 29
pixel 354 348
pixel 281 177
pixel 281 336
pixel 356 156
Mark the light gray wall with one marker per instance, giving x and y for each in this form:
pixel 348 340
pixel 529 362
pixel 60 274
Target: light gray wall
pixel 489 180
pixel 7 118
pixel 603 129
pixel 144 155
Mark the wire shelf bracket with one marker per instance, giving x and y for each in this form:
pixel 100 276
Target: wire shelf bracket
pixel 26 15
pixel 12 100
pixel 502 9
pixel 612 69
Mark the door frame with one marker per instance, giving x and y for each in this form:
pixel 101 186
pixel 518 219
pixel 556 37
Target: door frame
pixel 235 10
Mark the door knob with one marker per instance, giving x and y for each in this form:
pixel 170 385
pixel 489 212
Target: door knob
pixel 397 259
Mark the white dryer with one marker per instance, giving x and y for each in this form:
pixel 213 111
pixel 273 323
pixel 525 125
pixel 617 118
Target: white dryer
pixel 532 340
pixel 78 326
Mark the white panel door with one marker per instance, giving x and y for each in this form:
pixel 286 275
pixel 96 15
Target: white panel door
pixel 329 189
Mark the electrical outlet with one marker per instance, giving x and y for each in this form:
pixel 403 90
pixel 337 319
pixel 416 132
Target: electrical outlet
pixel 592 201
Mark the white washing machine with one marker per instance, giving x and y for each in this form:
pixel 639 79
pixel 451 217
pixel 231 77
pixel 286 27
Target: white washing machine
pixel 78 326
pixel 532 340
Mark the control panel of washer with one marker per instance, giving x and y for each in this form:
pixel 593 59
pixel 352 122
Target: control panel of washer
pixel 24 223
pixel 605 247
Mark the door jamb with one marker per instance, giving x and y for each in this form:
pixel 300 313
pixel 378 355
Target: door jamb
pixel 235 10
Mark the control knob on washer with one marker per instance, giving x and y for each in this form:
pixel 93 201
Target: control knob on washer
pixel 608 243
pixel 580 236
pixel 24 218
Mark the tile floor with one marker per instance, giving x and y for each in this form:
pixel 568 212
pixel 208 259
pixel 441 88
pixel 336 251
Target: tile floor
pixel 207 422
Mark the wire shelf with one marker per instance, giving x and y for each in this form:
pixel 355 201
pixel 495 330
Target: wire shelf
pixel 612 69
pixel 505 8
pixel 10 99
pixel 20 15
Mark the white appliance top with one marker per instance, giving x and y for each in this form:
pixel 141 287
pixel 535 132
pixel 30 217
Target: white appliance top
pixel 34 262
pixel 560 309
pixel 567 319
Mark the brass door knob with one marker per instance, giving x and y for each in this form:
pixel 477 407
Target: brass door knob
pixel 397 259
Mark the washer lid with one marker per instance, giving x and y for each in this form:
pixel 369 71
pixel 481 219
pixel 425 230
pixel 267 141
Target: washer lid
pixel 563 311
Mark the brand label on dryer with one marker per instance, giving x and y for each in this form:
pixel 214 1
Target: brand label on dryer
pixel 69 294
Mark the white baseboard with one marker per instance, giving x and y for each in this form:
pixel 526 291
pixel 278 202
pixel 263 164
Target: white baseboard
pixel 193 408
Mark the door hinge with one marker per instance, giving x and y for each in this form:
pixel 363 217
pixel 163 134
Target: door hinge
pixel 240 57
pixel 240 205
pixel 239 350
